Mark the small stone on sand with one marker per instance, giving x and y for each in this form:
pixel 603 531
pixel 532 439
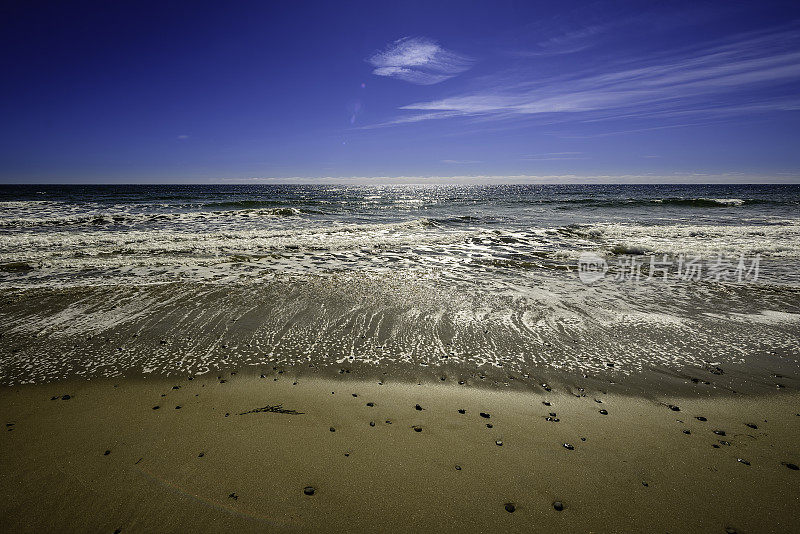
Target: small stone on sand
pixel 558 506
pixel 510 507
pixel 309 490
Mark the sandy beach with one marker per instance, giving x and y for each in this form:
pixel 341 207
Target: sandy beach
pixel 267 450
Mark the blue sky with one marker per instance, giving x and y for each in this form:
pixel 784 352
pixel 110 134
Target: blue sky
pixel 399 91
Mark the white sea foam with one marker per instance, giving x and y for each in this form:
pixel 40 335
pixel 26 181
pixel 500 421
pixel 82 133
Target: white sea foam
pixel 776 240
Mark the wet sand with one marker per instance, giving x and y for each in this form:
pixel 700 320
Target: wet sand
pixel 271 450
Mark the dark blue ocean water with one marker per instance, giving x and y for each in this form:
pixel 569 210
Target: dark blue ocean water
pixel 82 233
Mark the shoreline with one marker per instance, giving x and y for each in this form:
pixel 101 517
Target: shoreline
pixel 423 332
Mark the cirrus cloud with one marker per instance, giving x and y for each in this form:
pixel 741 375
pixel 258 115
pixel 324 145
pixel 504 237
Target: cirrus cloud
pixel 418 60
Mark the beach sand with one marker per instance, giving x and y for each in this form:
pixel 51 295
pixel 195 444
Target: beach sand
pixel 155 454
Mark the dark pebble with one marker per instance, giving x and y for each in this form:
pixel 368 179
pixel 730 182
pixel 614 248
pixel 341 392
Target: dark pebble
pixel 156 407
pixel 568 447
pixel 719 432
pixel 498 443
pixel 510 507
pixel 687 431
pixel 178 407
pixel 201 455
pixel 485 415
pixel 355 394
pixel 106 453
pixel 751 425
pixel 370 404
pixel 417 428
pixel 701 418
pixel 745 462
pixel 176 387
pixel 489 425
pixel 309 490
pixel 604 412
pixel 458 468
pixel 462 411
pixel 333 429
pixel 372 423
pixel 793 467
pixel 674 408
pixel 645 484
pixel 418 407
pixel 66 397
pixel 546 403
pixel 233 496
pixel 558 506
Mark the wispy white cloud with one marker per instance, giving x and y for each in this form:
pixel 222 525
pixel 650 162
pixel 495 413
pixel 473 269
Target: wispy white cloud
pixel 554 156
pixel 418 60
pixel 750 74
pixel 568 42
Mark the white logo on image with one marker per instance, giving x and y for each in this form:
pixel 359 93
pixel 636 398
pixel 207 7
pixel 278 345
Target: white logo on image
pixel 591 267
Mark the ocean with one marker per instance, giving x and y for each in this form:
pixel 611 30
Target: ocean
pixel 477 276
pixel 150 234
